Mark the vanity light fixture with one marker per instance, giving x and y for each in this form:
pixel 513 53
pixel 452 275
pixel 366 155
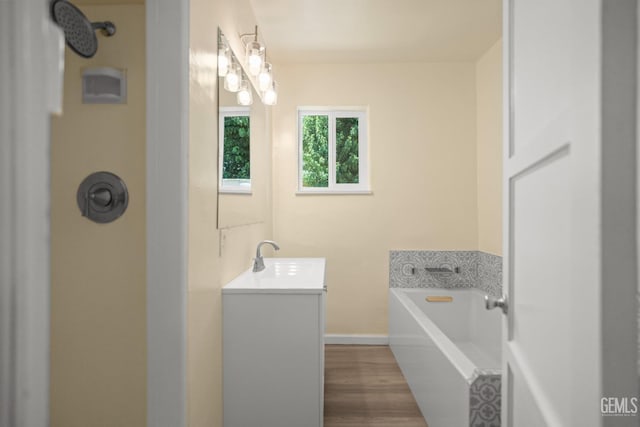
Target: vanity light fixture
pixel 254 53
pixel 224 56
pixel 233 77
pixel 265 77
pixel 244 96
pixel 257 67
pixel 270 96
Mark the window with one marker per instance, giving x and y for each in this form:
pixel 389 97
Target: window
pixel 332 147
pixel 235 155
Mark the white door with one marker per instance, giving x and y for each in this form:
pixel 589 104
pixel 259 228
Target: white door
pixel 570 332
pixel 31 50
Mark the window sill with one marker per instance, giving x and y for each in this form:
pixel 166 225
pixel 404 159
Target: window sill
pixel 335 193
pixel 230 191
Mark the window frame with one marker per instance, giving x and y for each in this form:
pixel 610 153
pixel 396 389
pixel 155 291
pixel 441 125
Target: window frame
pixel 361 113
pixel 236 111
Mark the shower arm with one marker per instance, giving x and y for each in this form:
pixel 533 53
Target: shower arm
pixel 107 28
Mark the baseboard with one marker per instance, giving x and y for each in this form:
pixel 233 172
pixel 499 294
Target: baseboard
pixel 345 339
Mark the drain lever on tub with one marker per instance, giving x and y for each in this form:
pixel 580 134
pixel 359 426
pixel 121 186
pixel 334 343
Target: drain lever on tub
pixel 439 298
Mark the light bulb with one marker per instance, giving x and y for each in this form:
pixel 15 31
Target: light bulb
pixel 270 96
pixel 255 63
pixel 255 57
pixel 223 61
pixel 244 96
pixel 265 78
pixel 232 79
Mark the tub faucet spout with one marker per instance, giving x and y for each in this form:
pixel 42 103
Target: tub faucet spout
pixel 258 262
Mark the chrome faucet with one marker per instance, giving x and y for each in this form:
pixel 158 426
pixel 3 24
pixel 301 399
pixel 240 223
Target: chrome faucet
pixel 258 262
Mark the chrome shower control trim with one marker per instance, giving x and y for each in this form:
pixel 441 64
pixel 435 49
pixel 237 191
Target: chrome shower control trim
pixel 102 197
pixel 492 302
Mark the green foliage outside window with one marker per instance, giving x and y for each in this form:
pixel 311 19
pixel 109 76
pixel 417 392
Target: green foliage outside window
pixel 315 151
pixel 347 150
pixel 236 162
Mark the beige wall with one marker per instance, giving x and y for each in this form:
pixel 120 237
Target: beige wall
pixel 98 282
pixel 215 256
pixel 422 132
pixel 489 139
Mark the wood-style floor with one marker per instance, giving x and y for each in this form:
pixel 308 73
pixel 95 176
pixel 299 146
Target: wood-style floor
pixel 363 386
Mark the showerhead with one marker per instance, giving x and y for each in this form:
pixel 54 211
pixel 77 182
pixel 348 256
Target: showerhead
pixel 79 32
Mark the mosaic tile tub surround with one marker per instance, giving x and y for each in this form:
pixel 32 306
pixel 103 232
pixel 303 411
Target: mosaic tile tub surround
pixel 489 273
pixel 475 269
pixel 485 401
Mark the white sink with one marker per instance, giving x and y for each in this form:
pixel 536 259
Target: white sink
pixel 282 275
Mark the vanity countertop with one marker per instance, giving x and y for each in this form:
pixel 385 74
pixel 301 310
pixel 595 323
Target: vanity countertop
pixel 282 275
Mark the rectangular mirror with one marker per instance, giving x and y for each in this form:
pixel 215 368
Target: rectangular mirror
pixel 234 145
pixel 243 145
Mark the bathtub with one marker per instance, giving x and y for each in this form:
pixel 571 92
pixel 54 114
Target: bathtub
pixel 449 353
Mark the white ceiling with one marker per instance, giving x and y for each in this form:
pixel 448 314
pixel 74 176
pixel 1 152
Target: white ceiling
pixel 378 30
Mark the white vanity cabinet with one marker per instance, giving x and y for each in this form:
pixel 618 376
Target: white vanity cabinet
pixel 273 345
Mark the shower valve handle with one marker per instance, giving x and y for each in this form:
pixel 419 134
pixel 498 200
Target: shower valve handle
pixel 492 302
pixel 102 197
